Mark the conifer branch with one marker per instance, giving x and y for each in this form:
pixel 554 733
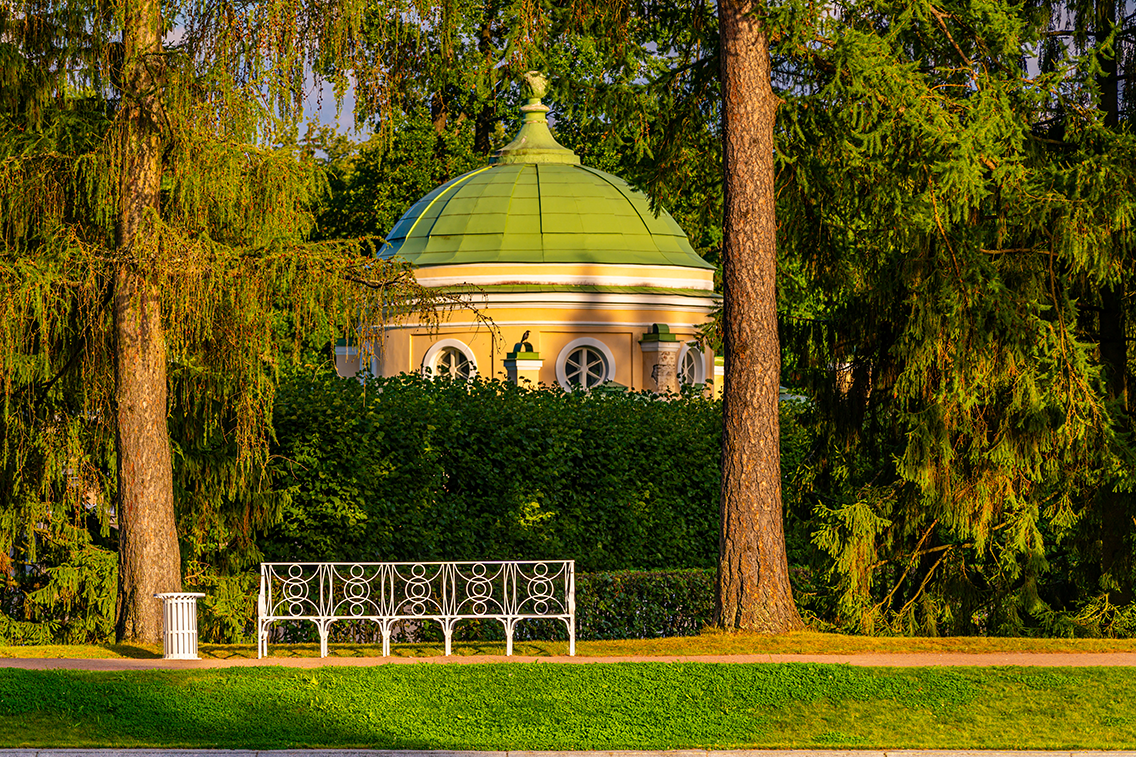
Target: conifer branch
pixel 940 17
pixel 910 565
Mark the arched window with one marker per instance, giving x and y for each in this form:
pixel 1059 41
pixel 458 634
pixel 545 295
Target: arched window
pixel 691 366
pixel 584 363
pixel 585 367
pixel 449 357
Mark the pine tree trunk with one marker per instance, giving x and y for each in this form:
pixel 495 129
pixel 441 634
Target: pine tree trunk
pixel 1116 522
pixel 753 574
pixel 149 560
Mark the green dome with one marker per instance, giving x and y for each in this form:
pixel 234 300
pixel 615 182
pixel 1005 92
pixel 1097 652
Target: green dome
pixel 535 203
pixel 538 212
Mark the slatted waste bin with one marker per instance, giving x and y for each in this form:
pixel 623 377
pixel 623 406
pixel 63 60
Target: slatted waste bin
pixel 180 624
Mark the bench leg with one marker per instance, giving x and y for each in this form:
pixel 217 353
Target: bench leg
pixel 572 636
pixel 510 625
pixel 324 627
pixel 448 631
pixel 385 625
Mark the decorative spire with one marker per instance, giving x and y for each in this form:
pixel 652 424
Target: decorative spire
pixel 534 143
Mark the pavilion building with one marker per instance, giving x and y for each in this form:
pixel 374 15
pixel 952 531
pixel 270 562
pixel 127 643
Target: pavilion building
pixel 582 283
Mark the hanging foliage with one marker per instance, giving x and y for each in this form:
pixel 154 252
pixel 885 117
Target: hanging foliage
pixel 949 238
pixel 148 201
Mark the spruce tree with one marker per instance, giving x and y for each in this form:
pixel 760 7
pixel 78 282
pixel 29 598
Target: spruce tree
pixel 153 231
pixel 953 233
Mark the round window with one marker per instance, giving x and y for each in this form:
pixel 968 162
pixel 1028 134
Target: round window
pixel 585 367
pixel 452 362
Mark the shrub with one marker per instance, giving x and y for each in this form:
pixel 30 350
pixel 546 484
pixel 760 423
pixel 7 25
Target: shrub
pixel 644 604
pixel 410 469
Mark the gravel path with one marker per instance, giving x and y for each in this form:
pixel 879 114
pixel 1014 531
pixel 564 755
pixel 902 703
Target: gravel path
pixel 919 659
pixel 684 753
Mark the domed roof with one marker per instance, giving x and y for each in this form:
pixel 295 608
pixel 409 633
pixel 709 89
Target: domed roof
pixel 539 213
pixel 535 203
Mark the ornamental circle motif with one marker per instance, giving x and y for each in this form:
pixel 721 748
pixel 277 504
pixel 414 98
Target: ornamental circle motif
pixel 540 589
pixel 418 589
pixel 479 589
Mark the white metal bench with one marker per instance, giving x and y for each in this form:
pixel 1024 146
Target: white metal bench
pixel 389 592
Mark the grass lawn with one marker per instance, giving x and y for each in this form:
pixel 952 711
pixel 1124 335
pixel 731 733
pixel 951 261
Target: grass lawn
pixel 708 643
pixel 538 706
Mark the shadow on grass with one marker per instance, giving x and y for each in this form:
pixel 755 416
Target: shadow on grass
pixel 134 652
pixel 176 709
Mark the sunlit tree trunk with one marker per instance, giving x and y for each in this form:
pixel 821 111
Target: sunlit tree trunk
pixel 753 576
pixel 149 560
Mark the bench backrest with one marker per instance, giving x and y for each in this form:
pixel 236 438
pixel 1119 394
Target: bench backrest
pixel 393 590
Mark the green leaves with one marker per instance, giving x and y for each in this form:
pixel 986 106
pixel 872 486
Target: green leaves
pixel 411 469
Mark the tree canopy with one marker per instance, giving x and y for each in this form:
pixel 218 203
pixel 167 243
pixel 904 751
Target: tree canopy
pixel 954 187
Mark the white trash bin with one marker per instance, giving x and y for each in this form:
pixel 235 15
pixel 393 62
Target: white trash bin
pixel 180 624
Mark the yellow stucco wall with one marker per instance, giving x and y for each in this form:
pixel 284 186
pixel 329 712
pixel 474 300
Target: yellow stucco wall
pixel 494 321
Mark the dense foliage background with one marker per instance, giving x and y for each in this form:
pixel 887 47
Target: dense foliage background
pixel 957 294
pixel 413 469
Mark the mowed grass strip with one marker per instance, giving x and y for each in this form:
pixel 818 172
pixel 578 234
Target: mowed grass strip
pixel 708 643
pixel 572 707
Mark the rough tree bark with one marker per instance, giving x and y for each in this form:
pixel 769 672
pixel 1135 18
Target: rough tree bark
pixel 753 590
pixel 149 560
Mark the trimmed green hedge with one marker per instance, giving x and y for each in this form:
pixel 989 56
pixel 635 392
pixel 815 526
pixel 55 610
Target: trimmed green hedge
pixel 410 469
pixel 625 604
pixel 644 604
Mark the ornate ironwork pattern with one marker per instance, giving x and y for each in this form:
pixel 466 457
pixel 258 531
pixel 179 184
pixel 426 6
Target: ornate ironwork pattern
pixel 389 592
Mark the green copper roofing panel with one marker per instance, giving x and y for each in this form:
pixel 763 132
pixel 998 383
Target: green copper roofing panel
pixel 525 184
pixel 429 258
pixel 600 223
pixel 560 223
pixel 458 205
pixel 667 244
pixel 491 204
pixel 528 223
pixel 448 226
pixel 509 255
pixel 487 223
pixel 481 243
pixel 532 243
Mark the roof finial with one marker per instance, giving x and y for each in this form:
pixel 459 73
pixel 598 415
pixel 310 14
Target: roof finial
pixel 538 85
pixel 534 143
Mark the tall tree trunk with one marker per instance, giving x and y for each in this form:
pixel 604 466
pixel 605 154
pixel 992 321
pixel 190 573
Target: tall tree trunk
pixel 149 561
pixel 753 573
pixel 1115 505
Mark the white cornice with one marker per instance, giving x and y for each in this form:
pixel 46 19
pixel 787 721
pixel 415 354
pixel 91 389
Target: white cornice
pixel 590 300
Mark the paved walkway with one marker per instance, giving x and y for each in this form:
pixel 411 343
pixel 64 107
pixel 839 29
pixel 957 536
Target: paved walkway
pixel 922 659
pixel 685 753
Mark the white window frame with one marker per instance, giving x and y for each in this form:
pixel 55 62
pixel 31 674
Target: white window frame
pixel 575 344
pixel 700 370
pixel 436 349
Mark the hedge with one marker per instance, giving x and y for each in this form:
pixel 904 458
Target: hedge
pixel 644 604
pixel 410 469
